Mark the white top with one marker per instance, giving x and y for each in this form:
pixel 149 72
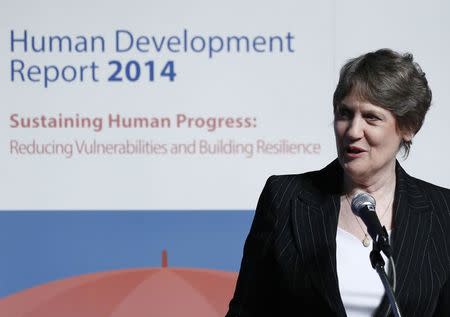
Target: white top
pixel 360 286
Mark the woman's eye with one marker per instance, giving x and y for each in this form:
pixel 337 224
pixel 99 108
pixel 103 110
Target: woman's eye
pixel 343 113
pixel 372 117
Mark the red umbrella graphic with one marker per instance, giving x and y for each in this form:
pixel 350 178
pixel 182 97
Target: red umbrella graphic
pixel 152 292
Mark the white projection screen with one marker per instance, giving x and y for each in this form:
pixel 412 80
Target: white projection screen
pixel 218 97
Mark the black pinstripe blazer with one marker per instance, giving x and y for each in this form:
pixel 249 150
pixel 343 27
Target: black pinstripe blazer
pixel 289 262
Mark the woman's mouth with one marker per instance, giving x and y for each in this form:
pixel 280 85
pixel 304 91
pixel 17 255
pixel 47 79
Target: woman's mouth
pixel 354 151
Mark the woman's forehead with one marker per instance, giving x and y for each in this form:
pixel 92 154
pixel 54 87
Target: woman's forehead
pixel 355 102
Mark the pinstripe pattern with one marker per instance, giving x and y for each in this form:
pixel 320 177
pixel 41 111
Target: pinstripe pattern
pixel 289 262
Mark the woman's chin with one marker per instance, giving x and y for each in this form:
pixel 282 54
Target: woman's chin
pixel 355 169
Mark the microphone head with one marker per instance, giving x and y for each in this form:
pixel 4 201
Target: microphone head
pixel 361 200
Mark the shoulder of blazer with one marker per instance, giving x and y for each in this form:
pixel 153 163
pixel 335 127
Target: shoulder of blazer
pixel 313 186
pixel 433 198
pixel 436 196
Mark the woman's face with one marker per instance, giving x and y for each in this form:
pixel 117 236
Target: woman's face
pixel 367 139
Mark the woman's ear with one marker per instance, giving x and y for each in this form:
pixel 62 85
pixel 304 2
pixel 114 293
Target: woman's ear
pixel 407 136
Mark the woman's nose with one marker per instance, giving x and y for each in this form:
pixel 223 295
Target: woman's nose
pixel 356 128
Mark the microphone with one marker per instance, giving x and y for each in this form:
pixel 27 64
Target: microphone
pixel 363 206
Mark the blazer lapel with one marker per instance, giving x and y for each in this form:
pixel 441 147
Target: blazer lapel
pixel 412 211
pixel 315 218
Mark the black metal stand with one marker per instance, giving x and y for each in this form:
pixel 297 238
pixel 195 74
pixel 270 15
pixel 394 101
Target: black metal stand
pixel 378 264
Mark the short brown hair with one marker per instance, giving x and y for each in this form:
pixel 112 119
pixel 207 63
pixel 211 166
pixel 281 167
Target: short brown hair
pixel 392 81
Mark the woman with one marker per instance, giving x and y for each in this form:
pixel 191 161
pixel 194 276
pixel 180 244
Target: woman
pixel 300 257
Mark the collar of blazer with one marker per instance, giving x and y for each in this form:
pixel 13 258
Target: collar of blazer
pixel 319 196
pixel 319 186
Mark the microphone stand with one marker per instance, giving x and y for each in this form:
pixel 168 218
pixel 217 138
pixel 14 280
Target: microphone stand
pixel 381 244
